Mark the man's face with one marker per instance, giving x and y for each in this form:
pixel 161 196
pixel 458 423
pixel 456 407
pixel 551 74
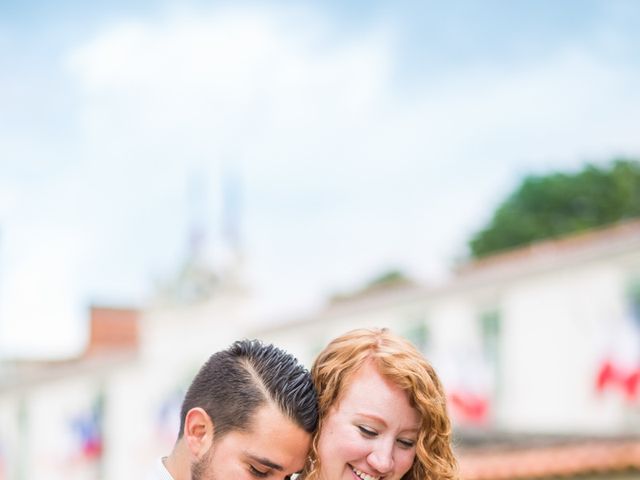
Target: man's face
pixel 274 448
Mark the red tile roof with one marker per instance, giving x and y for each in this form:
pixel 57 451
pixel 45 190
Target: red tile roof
pixel 113 329
pixel 578 247
pixel 593 457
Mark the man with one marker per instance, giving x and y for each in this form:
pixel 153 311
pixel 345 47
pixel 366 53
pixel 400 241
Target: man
pixel 249 413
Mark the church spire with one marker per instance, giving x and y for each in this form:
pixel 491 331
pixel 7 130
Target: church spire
pixel 231 210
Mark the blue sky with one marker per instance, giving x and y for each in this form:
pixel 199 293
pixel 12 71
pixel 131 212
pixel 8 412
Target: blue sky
pixel 367 135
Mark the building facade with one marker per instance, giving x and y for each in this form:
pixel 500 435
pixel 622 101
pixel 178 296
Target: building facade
pixel 543 340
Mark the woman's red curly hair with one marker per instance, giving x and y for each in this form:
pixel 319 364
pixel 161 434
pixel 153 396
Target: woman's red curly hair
pixel 400 362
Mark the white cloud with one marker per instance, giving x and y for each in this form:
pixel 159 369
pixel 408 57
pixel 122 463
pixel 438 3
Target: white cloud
pixel 345 170
pixel 329 142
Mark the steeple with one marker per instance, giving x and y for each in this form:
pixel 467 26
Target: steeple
pixel 196 279
pixel 231 210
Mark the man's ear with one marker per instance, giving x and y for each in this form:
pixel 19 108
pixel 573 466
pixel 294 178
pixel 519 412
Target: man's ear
pixel 198 432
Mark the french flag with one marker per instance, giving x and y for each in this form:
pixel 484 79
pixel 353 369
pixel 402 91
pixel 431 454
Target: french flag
pixel 87 432
pixel 619 371
pixel 469 407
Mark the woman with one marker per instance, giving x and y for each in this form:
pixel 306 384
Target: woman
pixel 382 412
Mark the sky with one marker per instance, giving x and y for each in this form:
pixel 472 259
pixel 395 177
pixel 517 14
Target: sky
pixel 361 136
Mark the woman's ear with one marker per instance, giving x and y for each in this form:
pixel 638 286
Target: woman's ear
pixel 198 432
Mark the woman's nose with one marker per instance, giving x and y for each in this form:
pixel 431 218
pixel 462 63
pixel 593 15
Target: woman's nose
pixel 381 458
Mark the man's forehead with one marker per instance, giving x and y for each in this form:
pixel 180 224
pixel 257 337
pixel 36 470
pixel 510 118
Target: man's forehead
pixel 275 441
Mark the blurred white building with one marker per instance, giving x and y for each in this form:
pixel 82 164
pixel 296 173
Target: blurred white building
pixel 112 412
pixel 541 340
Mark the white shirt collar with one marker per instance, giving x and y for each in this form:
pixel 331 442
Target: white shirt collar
pixel 161 470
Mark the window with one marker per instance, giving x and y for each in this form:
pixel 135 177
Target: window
pixel 417 332
pixel 490 330
pixel 633 299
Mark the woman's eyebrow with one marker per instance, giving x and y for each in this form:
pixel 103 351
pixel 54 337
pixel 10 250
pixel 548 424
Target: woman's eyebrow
pixel 380 420
pixel 372 416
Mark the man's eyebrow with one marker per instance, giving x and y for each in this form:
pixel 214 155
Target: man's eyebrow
pixel 264 461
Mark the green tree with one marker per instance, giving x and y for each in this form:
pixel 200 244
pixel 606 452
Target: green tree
pixel 389 279
pixel 393 277
pixel 553 205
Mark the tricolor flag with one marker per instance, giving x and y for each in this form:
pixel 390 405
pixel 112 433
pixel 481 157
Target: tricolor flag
pixel 619 370
pixel 86 428
pixel 168 417
pixel 467 379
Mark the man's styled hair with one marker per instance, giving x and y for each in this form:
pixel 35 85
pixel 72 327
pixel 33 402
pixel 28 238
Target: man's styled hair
pixel 235 382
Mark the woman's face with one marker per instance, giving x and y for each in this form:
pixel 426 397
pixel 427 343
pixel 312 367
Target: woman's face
pixel 371 433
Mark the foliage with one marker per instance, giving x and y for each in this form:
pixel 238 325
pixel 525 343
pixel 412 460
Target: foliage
pixel 553 205
pixel 388 279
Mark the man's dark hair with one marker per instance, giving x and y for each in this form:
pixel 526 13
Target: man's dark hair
pixel 235 382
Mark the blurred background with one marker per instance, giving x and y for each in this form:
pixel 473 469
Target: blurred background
pixel 177 175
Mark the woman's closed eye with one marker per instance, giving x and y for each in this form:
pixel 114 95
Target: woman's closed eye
pixel 367 431
pixel 406 443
